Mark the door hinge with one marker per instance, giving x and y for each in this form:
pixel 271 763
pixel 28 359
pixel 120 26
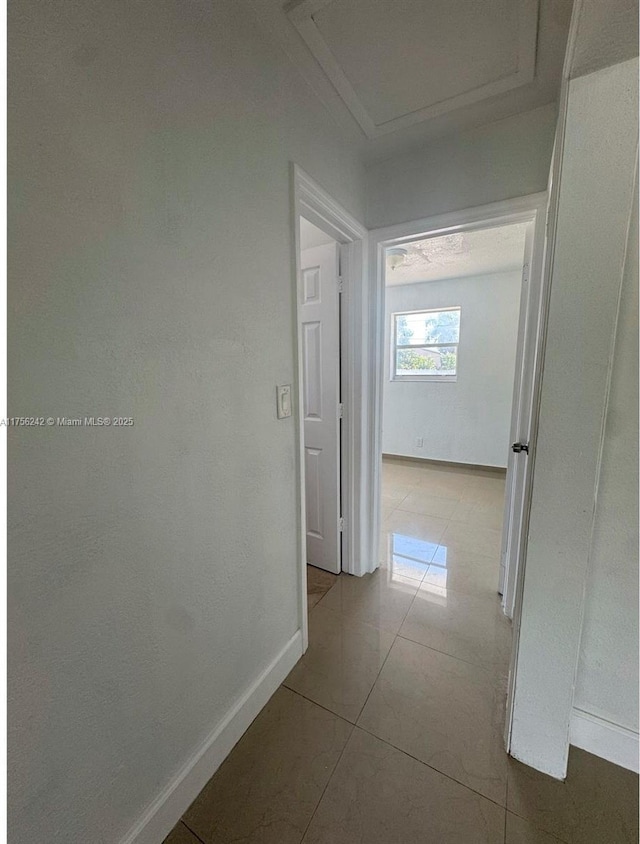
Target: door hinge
pixel 340 284
pixel 341 411
pixel 341 523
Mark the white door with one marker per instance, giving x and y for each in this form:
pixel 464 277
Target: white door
pixel 518 464
pixel 319 333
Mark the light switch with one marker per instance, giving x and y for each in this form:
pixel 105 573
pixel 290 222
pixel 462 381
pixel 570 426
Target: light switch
pixel 284 401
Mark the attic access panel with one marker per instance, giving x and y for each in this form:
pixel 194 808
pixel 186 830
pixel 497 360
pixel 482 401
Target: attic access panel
pixel 399 62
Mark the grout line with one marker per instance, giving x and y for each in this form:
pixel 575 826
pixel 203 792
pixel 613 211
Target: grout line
pixel 324 790
pixel 506 800
pixel 485 668
pixel 551 835
pixel 385 741
pixel 356 725
pixel 506 806
pixel 449 519
pixel 353 724
pixel 195 835
pixel 384 662
pixel 333 585
pixel 357 622
pixel 426 764
pixel 315 703
pixel 395 638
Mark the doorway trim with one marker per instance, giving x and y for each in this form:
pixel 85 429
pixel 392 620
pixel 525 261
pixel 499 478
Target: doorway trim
pixel 533 209
pixel 311 201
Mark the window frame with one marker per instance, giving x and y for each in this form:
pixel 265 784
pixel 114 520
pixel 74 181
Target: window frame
pixel 393 376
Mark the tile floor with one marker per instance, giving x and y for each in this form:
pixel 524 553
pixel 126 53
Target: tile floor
pixel 389 729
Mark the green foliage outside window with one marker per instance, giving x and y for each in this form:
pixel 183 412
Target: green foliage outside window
pixel 410 359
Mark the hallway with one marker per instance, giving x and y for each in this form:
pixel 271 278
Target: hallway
pixel 389 729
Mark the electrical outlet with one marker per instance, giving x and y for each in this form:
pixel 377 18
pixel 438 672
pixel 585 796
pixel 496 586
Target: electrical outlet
pixel 419 442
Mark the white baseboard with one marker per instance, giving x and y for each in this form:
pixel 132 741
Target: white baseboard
pixel 162 815
pixel 431 461
pixel 605 739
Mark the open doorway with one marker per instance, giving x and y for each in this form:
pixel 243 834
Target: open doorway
pixel 453 508
pixel 332 397
pixel 452 314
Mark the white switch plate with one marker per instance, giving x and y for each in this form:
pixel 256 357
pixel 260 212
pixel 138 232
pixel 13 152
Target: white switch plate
pixel 283 396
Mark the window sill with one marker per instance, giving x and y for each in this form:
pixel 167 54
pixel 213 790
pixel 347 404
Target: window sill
pixel 432 379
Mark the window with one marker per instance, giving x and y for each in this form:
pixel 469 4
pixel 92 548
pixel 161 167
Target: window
pixel 425 345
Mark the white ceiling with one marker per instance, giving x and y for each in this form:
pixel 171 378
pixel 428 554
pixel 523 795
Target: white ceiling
pixel 311 235
pixel 460 255
pixel 396 72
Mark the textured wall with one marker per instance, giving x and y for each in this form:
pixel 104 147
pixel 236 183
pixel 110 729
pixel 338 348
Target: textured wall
pixel 153 570
pixel 596 188
pixel 501 160
pixel 607 683
pixel 607 34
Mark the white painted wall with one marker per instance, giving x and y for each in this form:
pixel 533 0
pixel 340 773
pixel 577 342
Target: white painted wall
pixel 464 421
pixel 595 199
pixel 311 236
pixel 501 160
pixel 607 682
pixel 153 570
pixel 607 33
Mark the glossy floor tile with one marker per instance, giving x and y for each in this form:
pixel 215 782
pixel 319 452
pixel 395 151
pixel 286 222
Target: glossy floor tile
pixel 181 835
pixel 379 599
pixel 422 500
pixel 415 656
pixel 481 513
pixel 461 570
pixel 491 493
pixel 470 627
pixel 519 831
pixel 318 584
pixel 395 493
pixel 267 789
pixel 400 474
pixel 597 803
pixel 420 525
pixel 443 484
pixel 485 541
pixel 405 555
pixel 408 542
pixel 342 663
pixel 445 712
pixel 379 795
pixel 487 479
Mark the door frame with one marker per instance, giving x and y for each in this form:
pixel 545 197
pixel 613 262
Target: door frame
pixel 533 209
pixel 523 409
pixel 311 201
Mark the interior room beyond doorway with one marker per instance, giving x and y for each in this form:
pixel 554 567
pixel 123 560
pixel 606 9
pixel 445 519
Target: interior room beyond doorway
pixel 452 305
